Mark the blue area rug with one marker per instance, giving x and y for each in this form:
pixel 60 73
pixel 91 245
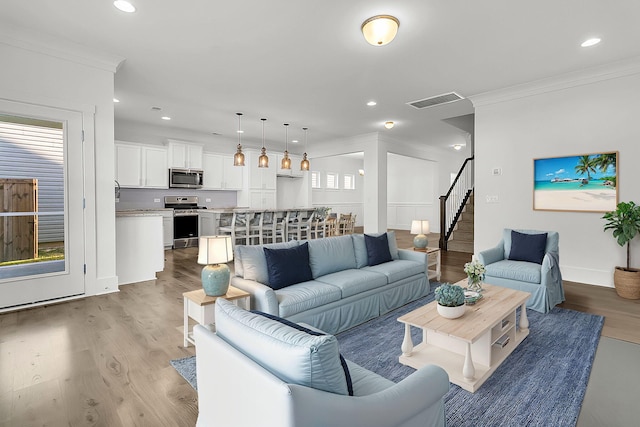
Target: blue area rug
pixel 542 383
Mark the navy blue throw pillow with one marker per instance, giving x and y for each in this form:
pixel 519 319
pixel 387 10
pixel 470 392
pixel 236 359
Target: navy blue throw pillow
pixel 527 247
pixel 343 362
pixel 288 266
pixel 377 249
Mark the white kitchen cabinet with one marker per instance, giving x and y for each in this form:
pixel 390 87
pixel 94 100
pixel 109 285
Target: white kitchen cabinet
pixel 262 199
pixel 167 225
pixel 141 166
pixel 185 155
pixel 220 173
pixel 295 166
pixel 208 223
pixel 261 178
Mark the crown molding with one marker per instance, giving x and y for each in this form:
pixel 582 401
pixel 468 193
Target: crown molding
pixel 59 48
pixel 587 76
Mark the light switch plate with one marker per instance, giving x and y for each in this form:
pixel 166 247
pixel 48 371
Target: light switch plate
pixel 156 200
pixel 207 200
pixel 496 171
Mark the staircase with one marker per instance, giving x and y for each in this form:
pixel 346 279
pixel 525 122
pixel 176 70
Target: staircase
pixel 462 238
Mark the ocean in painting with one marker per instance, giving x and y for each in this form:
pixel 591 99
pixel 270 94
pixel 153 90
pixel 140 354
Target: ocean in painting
pixel 594 184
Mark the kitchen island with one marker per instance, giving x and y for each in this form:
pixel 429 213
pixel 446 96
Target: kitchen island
pixel 139 246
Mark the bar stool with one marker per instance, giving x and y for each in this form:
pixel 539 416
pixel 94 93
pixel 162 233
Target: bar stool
pixel 255 229
pixel 237 229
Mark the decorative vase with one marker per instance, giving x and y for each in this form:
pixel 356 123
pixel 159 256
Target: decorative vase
pixel 451 312
pixel 474 284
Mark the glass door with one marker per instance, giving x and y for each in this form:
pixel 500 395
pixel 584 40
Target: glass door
pixel 41 204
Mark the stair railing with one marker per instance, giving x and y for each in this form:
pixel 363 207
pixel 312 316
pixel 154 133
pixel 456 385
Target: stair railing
pixel 452 204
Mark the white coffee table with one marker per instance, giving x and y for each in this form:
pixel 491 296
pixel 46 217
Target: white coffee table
pixel 471 347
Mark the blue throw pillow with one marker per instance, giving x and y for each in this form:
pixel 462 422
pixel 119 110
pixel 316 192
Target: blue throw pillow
pixel 377 249
pixel 343 362
pixel 527 247
pixel 288 266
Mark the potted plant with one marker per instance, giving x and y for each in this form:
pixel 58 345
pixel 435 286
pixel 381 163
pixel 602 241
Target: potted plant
pixel 625 223
pixel 450 300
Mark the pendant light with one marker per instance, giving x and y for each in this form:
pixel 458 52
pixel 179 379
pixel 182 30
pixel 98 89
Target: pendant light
pixel 286 161
pixel 304 164
pixel 263 160
pixel 238 158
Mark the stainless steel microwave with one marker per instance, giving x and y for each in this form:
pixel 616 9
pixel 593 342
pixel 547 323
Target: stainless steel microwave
pixel 185 178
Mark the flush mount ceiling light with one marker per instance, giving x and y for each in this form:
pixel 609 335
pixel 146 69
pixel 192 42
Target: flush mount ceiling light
pixel 380 29
pixel 238 158
pixel 124 6
pixel 590 42
pixel 388 125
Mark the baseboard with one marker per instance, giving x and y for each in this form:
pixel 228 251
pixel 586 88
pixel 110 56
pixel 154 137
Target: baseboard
pixel 588 276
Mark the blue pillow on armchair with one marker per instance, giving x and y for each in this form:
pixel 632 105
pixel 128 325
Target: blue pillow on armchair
pixel 288 266
pixel 377 249
pixel 527 247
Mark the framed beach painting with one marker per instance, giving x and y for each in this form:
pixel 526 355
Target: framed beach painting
pixel 583 183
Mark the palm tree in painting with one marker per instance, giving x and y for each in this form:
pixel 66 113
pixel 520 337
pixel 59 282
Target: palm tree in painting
pixel 603 161
pixel 586 164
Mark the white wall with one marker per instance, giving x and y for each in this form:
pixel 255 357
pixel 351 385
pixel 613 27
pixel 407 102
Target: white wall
pixel 64 75
pixel 340 201
pixel 590 112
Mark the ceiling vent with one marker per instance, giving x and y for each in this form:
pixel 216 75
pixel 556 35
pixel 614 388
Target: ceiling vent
pixel 445 98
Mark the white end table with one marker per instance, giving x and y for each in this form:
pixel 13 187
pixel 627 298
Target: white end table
pixel 201 308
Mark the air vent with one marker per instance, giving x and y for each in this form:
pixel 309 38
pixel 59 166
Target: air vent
pixel 436 100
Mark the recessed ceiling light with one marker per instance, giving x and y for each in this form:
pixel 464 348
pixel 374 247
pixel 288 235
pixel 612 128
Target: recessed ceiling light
pixel 116 100
pixel 124 6
pixel 295 141
pixel 239 131
pixel 590 42
pixel 165 118
pixel 371 103
pixel 457 147
pixel 389 125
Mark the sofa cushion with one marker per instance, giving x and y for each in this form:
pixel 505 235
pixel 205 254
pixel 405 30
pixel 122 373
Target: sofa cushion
pixel 305 296
pixel 361 248
pixel 377 249
pixel 294 356
pixel 397 270
pixel 354 281
pixel 527 247
pixel 254 264
pixel 315 332
pixel 288 266
pixel 521 271
pixel 331 254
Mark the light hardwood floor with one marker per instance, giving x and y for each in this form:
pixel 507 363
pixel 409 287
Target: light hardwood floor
pixel 104 360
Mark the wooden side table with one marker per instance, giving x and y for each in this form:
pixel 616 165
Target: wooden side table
pixel 200 307
pixel 433 260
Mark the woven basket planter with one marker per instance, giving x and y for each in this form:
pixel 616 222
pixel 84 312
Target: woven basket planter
pixel 627 283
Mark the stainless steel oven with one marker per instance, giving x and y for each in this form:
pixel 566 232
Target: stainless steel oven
pixel 185 220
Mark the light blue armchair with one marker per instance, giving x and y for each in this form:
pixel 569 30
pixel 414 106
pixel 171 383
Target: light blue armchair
pixel 543 281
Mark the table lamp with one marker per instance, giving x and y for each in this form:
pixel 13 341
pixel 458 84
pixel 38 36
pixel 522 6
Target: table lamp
pixel 420 227
pixel 215 252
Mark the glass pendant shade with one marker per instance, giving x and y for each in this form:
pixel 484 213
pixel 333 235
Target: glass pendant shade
pixel 304 164
pixel 238 158
pixel 263 160
pixel 286 161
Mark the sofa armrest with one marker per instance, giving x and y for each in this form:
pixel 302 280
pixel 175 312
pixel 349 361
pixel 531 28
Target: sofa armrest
pixel 489 256
pixel 411 255
pixel 262 297
pixel 416 400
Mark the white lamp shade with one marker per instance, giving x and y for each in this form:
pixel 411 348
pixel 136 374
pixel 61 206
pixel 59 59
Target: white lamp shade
pixel 215 250
pixel 380 30
pixel 419 226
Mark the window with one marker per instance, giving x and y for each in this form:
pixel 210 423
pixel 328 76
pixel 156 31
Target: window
pixel 315 179
pixel 332 180
pixel 349 182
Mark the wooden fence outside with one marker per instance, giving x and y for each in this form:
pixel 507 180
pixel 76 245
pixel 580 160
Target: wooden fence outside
pixel 18 234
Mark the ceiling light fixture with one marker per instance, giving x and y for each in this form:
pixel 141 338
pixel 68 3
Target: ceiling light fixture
pixel 371 103
pixel 263 160
pixel 165 118
pixel 304 164
pixel 116 100
pixel 457 147
pixel 380 29
pixel 361 172
pixel 286 161
pixel 124 6
pixel 590 42
pixel 238 158
pixel 388 125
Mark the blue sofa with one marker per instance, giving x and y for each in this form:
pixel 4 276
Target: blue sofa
pixel 257 371
pixel 343 291
pixel 543 281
